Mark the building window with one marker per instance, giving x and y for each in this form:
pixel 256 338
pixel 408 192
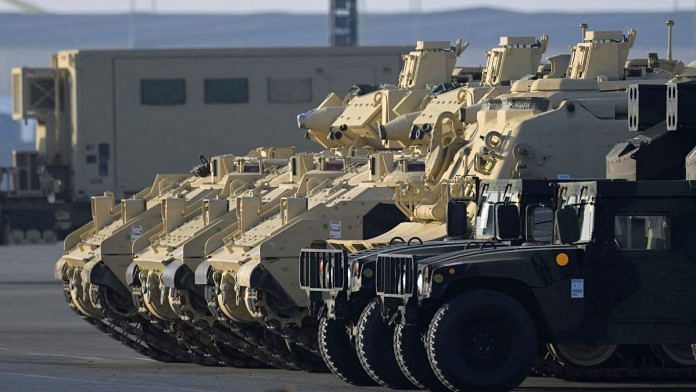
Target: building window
pixel 230 90
pixel 290 90
pixel 163 92
pixel 642 232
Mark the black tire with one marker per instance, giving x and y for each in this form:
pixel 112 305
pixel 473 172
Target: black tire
pixel 482 340
pixel 375 349
pixel 339 354
pixel 409 348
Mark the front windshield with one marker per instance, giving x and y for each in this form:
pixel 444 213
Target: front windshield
pixel 585 209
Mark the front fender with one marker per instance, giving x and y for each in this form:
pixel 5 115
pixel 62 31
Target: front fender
pixel 59 270
pixel 202 273
pixel 97 273
pixel 132 274
pixel 178 275
pixel 247 273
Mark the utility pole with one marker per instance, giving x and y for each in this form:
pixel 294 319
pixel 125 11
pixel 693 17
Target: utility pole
pixel 131 25
pixel 343 23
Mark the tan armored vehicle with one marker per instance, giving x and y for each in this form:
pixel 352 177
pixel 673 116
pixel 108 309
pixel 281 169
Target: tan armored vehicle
pixel 264 247
pixel 545 128
pixel 252 277
pixel 97 255
pixel 163 261
pixel 161 274
pixel 534 131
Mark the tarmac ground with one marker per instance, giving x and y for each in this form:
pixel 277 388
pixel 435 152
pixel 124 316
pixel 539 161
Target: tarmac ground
pixel 45 346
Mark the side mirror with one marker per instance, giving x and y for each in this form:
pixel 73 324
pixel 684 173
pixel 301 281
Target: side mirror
pixel 457 219
pixel 567 224
pixel 507 221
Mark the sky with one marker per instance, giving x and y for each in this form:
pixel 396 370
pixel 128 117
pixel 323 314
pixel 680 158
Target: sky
pixel 321 6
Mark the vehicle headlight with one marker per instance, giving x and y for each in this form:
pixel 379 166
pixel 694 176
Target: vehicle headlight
pixel 419 283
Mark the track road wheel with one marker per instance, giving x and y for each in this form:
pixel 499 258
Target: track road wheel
pixel 584 355
pixel 412 358
pixel 375 349
pixel 339 354
pixel 481 340
pixel 679 355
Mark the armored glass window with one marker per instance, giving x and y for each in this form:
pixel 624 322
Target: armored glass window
pixel 290 90
pixel 642 232
pixel 228 90
pixel 163 92
pixel 540 224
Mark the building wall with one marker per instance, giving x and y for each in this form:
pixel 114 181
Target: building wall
pixel 121 139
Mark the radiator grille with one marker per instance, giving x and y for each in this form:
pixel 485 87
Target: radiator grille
pixel 323 269
pixel 396 275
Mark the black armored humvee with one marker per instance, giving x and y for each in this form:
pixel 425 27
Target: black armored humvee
pixel 621 271
pixel 341 287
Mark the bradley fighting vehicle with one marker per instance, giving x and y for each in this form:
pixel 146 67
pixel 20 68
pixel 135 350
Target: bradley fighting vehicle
pixel 252 277
pixel 626 326
pixel 224 230
pixel 521 134
pixel 98 254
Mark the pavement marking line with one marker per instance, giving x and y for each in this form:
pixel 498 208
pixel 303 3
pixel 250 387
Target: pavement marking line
pixel 84 358
pixel 144 359
pixel 97 382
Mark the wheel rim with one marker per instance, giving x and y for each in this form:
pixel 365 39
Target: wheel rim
pixel 679 353
pixel 485 346
pixel 585 355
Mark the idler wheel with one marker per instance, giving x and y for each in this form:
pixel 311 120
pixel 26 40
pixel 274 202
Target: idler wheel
pixel 584 355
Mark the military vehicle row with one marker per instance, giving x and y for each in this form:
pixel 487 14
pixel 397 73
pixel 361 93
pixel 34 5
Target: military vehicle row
pixel 99 113
pixel 627 243
pixel 204 267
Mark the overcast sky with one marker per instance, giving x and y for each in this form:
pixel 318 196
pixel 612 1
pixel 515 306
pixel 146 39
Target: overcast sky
pixel 321 6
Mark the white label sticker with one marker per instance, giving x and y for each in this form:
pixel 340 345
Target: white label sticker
pixel 335 230
pixel 577 288
pixel 136 232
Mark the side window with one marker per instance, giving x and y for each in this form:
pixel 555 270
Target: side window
pixel 229 90
pixel 163 92
pixel 642 232
pixel 290 90
pixel 540 224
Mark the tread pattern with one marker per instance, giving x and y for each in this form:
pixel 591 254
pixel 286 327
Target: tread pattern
pixel 432 383
pixel 430 346
pixel 362 350
pixel 346 367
